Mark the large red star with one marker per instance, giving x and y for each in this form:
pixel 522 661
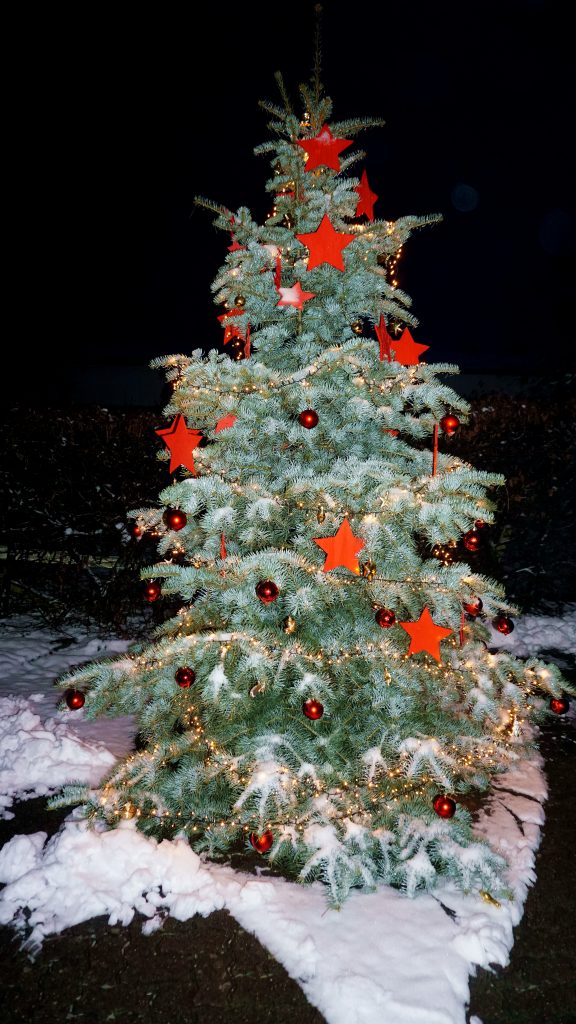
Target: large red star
pixel 325 245
pixel 341 549
pixel 367 198
pixel 384 338
pixel 425 635
pixel 294 296
pixel 323 151
pixel 181 442
pixel 406 350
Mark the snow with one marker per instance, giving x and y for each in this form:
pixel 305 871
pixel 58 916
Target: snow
pixel 380 959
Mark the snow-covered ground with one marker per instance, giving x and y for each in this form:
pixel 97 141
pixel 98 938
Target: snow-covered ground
pixel 381 959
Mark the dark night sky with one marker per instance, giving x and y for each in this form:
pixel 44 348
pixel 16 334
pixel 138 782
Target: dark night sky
pixel 119 126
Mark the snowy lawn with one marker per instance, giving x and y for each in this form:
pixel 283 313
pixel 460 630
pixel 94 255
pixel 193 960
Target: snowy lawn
pixel 381 959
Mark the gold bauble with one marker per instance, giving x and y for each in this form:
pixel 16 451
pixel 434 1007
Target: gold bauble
pixel 128 811
pixel 368 569
pixel 357 326
pixel 289 624
pixel 321 514
pixel 240 301
pixel 257 688
pixel 489 898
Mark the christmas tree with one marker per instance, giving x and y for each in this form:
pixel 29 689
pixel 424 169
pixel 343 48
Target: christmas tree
pixel 325 694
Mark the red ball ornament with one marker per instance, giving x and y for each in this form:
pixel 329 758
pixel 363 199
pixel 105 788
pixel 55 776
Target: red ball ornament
pixel 75 699
pixel 152 591
pixel 471 540
pixel 262 843
pixel 308 418
pixel 559 705
pixel 444 806
pixel 135 531
pixel 313 709
pixel 185 676
pixel 473 610
pixel 449 424
pixel 385 618
pixel 175 519
pixel 480 524
pixel 267 591
pixel 503 624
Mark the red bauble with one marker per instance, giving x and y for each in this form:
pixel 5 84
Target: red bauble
pixel 152 591
pixel 449 424
pixel 175 519
pixel 308 418
pixel 135 531
pixel 480 524
pixel 471 540
pixel 262 843
pixel 444 806
pixel 267 591
pixel 75 699
pixel 385 618
pixel 473 610
pixel 559 705
pixel 185 676
pixel 503 624
pixel 313 709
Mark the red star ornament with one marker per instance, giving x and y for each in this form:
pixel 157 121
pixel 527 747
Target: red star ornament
pixel 341 549
pixel 324 149
pixel 294 296
pixel 325 245
pixel 225 422
pixel 181 441
pixel 366 199
pixel 406 350
pixel 425 635
pixel 384 338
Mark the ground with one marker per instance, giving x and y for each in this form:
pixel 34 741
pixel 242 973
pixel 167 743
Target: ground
pixel 211 971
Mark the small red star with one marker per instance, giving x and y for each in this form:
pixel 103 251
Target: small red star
pixel 323 150
pixel 341 549
pixel 425 635
pixel 294 296
pixel 384 338
pixel 225 422
pixel 325 245
pixel 181 441
pixel 406 350
pixel 367 198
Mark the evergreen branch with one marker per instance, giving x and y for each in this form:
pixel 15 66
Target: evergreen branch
pixel 283 92
pixel 209 204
